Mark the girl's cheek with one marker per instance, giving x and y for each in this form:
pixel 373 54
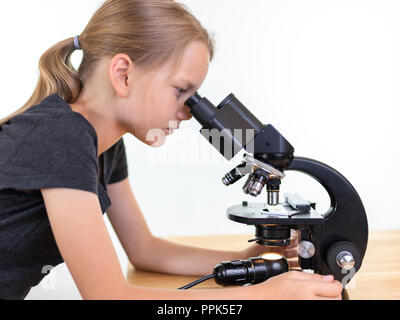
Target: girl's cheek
pixel 183 114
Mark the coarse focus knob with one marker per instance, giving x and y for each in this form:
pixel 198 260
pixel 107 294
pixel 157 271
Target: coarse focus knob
pixel 345 260
pixel 341 257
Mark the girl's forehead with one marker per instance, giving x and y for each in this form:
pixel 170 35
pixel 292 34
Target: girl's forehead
pixel 188 68
pixel 192 65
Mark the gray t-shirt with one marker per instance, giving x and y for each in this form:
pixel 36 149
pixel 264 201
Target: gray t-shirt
pixel 48 146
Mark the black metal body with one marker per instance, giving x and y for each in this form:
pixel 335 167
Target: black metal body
pixel 344 224
pixel 343 228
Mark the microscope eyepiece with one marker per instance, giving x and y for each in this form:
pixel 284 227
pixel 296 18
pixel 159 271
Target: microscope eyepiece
pixel 230 127
pixel 192 101
pixel 201 109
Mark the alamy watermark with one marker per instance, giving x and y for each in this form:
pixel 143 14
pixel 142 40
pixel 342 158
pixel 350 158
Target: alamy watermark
pixel 349 280
pixel 190 147
pixel 49 281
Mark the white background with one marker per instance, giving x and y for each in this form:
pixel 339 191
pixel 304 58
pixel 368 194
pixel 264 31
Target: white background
pixel 325 73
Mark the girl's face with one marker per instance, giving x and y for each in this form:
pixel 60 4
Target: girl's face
pixel 156 100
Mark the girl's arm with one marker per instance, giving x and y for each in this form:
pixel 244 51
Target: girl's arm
pixel 150 253
pixel 85 245
pixel 147 252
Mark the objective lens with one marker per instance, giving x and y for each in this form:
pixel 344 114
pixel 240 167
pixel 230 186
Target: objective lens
pixel 255 183
pixel 273 198
pixel 235 174
pixel 273 187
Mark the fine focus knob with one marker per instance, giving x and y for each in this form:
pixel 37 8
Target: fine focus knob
pixel 306 249
pixel 345 260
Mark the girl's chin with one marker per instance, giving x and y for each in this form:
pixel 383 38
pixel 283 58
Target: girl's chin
pixel 157 144
pixel 154 138
pixel 156 141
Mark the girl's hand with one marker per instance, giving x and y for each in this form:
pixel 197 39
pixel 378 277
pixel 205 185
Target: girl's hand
pixel 295 285
pixel 289 252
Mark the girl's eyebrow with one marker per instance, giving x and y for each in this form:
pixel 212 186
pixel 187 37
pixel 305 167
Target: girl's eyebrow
pixel 189 84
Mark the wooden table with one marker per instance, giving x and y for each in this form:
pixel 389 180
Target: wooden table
pixel 378 278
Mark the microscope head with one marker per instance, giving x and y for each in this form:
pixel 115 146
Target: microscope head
pixel 230 127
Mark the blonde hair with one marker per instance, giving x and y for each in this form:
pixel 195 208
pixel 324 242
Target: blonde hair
pixel 148 31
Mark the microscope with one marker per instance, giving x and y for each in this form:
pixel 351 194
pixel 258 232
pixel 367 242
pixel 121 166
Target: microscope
pixel 331 243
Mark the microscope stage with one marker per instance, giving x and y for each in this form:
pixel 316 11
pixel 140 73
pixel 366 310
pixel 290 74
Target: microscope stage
pixel 262 213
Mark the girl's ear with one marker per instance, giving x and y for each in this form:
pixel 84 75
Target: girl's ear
pixel 120 72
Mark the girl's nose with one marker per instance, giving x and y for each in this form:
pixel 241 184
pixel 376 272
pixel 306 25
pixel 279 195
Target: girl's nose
pixel 184 114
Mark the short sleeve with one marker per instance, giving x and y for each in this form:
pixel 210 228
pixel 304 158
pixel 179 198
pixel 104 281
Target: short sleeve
pixel 119 170
pixel 57 151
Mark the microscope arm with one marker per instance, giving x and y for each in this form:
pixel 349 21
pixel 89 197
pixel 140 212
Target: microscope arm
pixel 346 214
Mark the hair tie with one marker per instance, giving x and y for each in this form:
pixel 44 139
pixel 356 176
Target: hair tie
pixel 76 43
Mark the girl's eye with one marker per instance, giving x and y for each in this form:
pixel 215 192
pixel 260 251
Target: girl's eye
pixel 181 91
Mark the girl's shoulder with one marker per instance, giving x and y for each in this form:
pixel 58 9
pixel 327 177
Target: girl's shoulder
pixel 48 145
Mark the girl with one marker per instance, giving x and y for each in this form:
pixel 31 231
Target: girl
pixel 63 161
